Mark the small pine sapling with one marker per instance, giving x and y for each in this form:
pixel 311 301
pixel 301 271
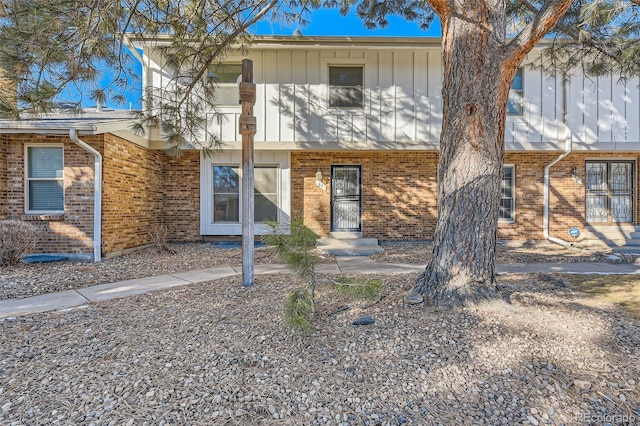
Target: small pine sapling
pixel 297 249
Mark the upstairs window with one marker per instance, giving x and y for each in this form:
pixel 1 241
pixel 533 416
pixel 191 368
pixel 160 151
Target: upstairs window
pixel 345 86
pixel 44 179
pixel 515 103
pixel 226 76
pixel 507 190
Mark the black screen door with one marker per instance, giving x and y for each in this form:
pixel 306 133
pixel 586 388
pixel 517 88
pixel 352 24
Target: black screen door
pixel 345 198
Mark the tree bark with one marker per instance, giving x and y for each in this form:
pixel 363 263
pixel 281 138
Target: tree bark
pixel 477 78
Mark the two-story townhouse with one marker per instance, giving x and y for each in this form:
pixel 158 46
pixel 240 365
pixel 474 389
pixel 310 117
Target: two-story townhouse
pixel 347 137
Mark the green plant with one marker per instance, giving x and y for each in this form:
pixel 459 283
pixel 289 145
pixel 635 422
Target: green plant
pixel 367 289
pixel 297 249
pixel 298 310
pixel 17 239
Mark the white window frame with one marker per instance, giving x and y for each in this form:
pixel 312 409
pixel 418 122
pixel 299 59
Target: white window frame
pixel 213 194
pixel 277 159
pixel 521 94
pixel 328 80
pixel 513 192
pixel 27 179
pixel 230 86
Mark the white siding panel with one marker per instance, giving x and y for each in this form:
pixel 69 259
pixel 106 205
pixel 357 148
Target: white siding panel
pixel 620 121
pixel 605 109
pixel 632 100
pixel 575 106
pixel 359 127
pixel 590 111
pixel 258 109
pixel 533 104
pixel 314 103
pixel 435 95
pixel 372 96
pixel 421 95
pixel 271 97
pixel 387 97
pixel 403 73
pixel 300 106
pixel 330 128
pixel 286 106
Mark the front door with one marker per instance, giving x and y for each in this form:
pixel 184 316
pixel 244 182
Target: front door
pixel 610 191
pixel 345 198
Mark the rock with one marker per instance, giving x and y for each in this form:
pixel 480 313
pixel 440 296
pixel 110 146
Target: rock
pixel 364 321
pixel 582 385
pixel 533 420
pixel 413 298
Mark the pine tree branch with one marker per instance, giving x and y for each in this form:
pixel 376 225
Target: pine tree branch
pixel 574 34
pixel 228 40
pixel 546 18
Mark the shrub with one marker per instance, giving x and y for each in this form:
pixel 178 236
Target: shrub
pixel 17 239
pixel 159 235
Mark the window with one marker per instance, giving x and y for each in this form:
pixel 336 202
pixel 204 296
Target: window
pixel 226 194
pixel 345 87
pixel 265 194
pixel 226 77
pixel 515 103
pixel 45 179
pixel 507 188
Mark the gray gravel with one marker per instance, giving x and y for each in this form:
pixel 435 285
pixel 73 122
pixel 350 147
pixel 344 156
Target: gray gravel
pixel 511 252
pixel 27 280
pixel 217 354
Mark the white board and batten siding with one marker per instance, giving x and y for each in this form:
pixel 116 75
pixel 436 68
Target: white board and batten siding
pixel 402 98
pixel 403 103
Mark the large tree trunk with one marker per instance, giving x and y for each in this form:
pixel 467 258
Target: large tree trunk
pixel 477 78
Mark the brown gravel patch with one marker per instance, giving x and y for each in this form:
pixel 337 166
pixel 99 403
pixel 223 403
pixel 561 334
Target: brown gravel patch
pixel 27 280
pixel 514 252
pixel 215 353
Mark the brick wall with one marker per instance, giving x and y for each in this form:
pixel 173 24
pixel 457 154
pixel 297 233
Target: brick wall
pixel 132 188
pixel 399 192
pixel 181 195
pixel 71 232
pixel 141 189
pixel 3 177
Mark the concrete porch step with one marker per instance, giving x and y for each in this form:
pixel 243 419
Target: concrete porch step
pixel 360 242
pixel 345 235
pixel 349 246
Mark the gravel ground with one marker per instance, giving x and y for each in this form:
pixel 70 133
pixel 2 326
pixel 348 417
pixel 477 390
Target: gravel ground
pixel 27 280
pixel 214 353
pixel 34 279
pixel 514 252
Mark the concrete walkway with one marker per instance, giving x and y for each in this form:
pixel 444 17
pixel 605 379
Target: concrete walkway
pixel 344 265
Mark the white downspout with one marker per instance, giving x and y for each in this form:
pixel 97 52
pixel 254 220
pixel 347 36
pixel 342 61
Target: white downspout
pixel 97 197
pixel 568 146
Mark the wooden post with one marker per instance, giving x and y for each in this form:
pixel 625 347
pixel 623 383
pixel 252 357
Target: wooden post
pixel 248 130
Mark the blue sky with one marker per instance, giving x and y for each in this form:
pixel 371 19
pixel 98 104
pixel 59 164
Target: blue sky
pixel 322 22
pixel 330 22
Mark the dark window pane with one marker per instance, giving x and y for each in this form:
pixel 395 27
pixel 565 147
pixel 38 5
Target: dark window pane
pixel 345 86
pixel 506 194
pixel 225 179
pixel 45 162
pixel 46 195
pixel 226 73
pixel 225 208
pixel 266 208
